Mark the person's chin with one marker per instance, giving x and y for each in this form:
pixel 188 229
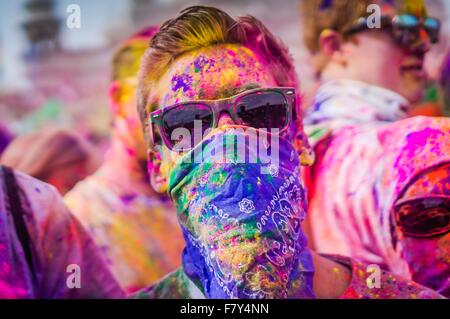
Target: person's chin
pixel 413 91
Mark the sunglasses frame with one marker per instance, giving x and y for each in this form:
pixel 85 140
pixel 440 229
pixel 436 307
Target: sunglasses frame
pixel 418 201
pixel 228 105
pixel 391 22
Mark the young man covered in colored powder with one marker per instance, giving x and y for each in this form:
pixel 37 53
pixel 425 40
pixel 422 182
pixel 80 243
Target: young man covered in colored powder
pixel 379 189
pixel 135 228
pixel 44 251
pixel 209 87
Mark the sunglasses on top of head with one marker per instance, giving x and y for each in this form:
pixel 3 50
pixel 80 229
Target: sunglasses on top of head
pixel 262 108
pixel 404 28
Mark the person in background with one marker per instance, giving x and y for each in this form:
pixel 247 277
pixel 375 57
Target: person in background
pixel 135 228
pixel 379 187
pixel 45 253
pixel 56 156
pixel 231 79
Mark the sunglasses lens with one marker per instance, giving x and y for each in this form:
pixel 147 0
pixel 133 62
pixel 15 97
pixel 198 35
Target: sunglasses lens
pixel 431 23
pixel 406 21
pixel 417 219
pixel 182 125
pixel 432 26
pixel 263 110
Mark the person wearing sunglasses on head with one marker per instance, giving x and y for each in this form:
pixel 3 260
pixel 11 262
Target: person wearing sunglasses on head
pixel 368 155
pixel 209 86
pixel 366 72
pixel 135 227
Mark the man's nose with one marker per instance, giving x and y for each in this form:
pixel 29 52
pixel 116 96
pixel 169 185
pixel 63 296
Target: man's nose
pixel 423 43
pixel 225 119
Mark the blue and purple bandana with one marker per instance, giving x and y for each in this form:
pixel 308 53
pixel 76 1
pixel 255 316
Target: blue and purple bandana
pixel 242 220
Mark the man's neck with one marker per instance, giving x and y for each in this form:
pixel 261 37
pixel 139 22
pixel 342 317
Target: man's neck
pixel 350 101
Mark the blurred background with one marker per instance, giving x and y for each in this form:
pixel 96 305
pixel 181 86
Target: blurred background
pixel 51 74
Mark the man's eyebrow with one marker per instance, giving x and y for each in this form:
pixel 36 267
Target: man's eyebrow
pixel 248 86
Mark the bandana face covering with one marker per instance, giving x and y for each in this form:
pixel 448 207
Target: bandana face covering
pixel 241 223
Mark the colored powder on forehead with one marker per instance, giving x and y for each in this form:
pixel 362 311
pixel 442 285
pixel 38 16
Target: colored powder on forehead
pixel 202 64
pixel 436 181
pixel 237 61
pixel 181 82
pixel 427 139
pixel 212 73
pixel 325 4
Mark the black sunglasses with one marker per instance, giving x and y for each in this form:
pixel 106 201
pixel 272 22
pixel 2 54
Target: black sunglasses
pixel 423 217
pixel 404 28
pixel 262 108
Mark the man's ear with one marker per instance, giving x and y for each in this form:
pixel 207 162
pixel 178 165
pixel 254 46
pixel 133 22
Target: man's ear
pixel 157 178
pixel 330 42
pixel 331 46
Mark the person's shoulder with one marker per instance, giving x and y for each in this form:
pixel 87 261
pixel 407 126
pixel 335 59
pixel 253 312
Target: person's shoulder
pixel 32 185
pixel 40 197
pixel 172 286
pixel 84 188
pixel 412 129
pixel 92 190
pixel 370 281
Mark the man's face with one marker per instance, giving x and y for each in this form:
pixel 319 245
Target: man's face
pixel 429 257
pixel 209 73
pixel 374 57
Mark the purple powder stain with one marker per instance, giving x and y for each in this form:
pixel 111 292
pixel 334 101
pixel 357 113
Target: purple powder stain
pixel 131 152
pixel 239 63
pixel 416 141
pixel 127 198
pixel 183 82
pixel 201 62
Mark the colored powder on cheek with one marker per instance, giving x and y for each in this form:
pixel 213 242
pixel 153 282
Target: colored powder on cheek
pixel 336 271
pixel 131 152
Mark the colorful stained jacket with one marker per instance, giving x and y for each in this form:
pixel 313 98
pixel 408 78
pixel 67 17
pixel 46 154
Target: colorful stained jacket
pixel 365 160
pixel 177 285
pixel 60 249
pixel 138 235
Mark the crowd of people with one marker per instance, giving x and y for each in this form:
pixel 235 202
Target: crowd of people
pixel 357 205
